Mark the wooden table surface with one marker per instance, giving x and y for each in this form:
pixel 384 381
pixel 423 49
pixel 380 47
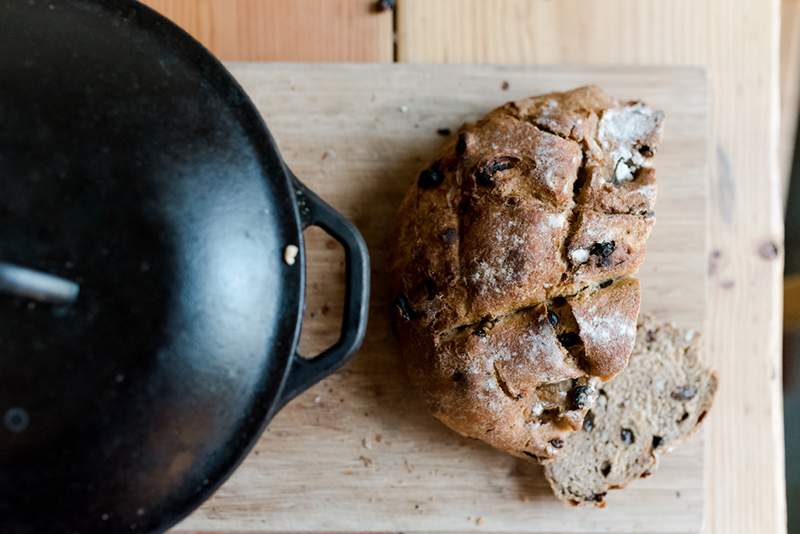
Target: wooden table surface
pixel 736 40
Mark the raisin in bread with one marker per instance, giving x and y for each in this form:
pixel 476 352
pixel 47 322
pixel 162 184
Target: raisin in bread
pixel 655 403
pixel 513 261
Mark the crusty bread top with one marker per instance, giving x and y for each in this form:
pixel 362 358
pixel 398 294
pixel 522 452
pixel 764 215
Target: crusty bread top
pixel 495 224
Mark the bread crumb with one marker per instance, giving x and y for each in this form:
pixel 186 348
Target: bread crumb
pixel 317 399
pixel 366 444
pixel 366 461
pixel 290 254
pixel 403 109
pixel 479 521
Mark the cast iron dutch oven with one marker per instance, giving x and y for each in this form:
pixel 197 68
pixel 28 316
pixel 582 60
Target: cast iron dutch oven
pixel 148 317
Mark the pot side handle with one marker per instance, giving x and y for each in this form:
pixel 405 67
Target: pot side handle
pixel 303 372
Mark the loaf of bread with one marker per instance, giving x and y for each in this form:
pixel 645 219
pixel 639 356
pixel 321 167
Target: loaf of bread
pixel 513 261
pixel 655 403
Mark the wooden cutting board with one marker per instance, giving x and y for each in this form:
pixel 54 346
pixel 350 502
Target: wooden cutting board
pixel 359 452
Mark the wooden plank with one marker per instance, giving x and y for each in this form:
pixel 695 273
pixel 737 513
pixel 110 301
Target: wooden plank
pixel 790 87
pixel 359 452
pixel 791 310
pixel 738 41
pixel 285 30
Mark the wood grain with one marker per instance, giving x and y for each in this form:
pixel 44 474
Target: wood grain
pixel 738 41
pixel 791 311
pixel 359 452
pixel 285 30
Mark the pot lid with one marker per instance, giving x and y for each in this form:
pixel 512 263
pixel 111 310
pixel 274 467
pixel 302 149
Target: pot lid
pixel 146 311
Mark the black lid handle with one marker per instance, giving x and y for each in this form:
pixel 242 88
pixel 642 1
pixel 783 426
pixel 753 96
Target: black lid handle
pixel 35 285
pixel 303 372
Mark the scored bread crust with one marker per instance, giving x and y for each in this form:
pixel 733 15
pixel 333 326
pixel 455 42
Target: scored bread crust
pixel 512 265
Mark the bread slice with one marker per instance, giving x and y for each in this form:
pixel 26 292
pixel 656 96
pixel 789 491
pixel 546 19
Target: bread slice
pixel 655 403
